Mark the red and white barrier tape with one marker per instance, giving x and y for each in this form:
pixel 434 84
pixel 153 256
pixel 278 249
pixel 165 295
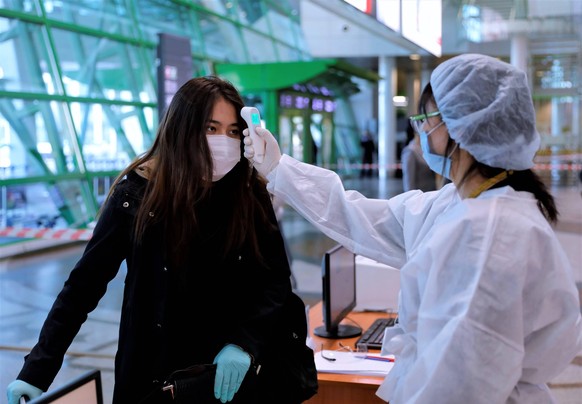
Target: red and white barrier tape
pixel 537 166
pixel 52 234
pixel 85 234
pixel 559 167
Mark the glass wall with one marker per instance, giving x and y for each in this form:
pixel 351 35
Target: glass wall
pixel 552 35
pixel 556 88
pixel 78 89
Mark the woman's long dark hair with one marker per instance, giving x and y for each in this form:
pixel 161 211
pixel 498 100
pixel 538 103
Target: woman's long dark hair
pixel 182 167
pixel 522 180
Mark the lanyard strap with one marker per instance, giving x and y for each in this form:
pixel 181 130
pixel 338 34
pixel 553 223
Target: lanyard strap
pixel 490 182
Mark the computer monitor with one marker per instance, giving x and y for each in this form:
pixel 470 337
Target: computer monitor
pixel 85 389
pixel 339 293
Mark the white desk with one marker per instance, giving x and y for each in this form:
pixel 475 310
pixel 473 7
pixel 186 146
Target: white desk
pixel 377 286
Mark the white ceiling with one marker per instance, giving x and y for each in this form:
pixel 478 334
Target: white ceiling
pixel 333 28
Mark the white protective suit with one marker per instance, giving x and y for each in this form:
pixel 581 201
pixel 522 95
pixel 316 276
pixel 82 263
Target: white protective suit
pixel 488 307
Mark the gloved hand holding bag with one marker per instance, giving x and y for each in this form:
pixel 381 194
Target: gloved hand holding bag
pixel 232 364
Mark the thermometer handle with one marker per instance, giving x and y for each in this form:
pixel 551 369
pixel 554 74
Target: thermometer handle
pixel 253 119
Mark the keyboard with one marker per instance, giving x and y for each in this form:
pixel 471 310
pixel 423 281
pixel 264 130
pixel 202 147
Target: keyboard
pixel 373 336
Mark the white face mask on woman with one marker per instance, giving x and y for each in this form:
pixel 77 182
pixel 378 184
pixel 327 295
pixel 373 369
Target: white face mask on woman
pixel 225 154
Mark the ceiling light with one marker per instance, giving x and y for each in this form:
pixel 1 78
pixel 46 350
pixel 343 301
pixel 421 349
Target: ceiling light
pixel 400 101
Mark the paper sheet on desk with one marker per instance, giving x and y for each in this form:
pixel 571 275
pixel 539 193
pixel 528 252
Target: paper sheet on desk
pixel 349 363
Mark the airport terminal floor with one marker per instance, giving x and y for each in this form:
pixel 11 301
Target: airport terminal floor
pixel 30 282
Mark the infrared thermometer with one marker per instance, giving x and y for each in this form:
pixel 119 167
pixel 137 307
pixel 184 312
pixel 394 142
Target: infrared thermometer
pixel 253 119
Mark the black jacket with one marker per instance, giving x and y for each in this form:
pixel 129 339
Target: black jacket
pixel 171 317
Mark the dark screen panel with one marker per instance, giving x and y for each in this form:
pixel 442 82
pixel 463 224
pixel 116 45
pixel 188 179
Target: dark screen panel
pixel 342 283
pixel 339 293
pixel 174 67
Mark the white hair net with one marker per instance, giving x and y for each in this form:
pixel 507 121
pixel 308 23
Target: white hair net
pixel 488 109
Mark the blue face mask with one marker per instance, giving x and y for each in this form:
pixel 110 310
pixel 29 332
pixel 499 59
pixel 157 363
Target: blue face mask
pixel 437 163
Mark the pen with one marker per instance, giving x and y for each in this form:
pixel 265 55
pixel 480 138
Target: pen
pixel 377 358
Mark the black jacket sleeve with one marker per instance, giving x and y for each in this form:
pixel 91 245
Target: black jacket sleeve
pixel 86 285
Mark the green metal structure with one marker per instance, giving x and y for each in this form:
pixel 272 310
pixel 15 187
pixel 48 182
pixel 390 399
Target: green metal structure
pixel 78 88
pixel 268 81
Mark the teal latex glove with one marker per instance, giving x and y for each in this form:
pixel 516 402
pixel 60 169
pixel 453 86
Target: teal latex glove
pixel 232 364
pixel 272 151
pixel 19 388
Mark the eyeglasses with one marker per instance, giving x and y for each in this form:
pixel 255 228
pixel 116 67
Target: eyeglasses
pixel 417 121
pixel 330 356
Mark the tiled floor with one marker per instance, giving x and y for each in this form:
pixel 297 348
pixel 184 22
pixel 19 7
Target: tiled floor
pixel 28 285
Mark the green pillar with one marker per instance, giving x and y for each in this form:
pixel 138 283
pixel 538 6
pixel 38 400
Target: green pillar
pixel 271 103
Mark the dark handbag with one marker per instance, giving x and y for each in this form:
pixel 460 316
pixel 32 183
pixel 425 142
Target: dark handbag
pixel 194 384
pixel 288 374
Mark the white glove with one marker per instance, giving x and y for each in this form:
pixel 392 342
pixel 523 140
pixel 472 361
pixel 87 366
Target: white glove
pixel 272 151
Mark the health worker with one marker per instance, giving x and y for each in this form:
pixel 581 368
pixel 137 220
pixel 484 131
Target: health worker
pixel 489 312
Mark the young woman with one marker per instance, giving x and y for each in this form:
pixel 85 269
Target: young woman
pixel 206 266
pixel 489 312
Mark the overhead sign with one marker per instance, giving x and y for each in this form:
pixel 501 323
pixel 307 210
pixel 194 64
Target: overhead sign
pixel 174 67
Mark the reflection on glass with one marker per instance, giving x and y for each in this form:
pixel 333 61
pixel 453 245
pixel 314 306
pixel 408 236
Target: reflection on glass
pixel 281 26
pixel 101 68
pixel 102 15
pixel 96 115
pixel 217 32
pixel 168 17
pixel 288 54
pixel 222 7
pixel 251 13
pixel 27 6
pixel 18 73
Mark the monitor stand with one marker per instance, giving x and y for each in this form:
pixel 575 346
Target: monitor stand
pixel 343 331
